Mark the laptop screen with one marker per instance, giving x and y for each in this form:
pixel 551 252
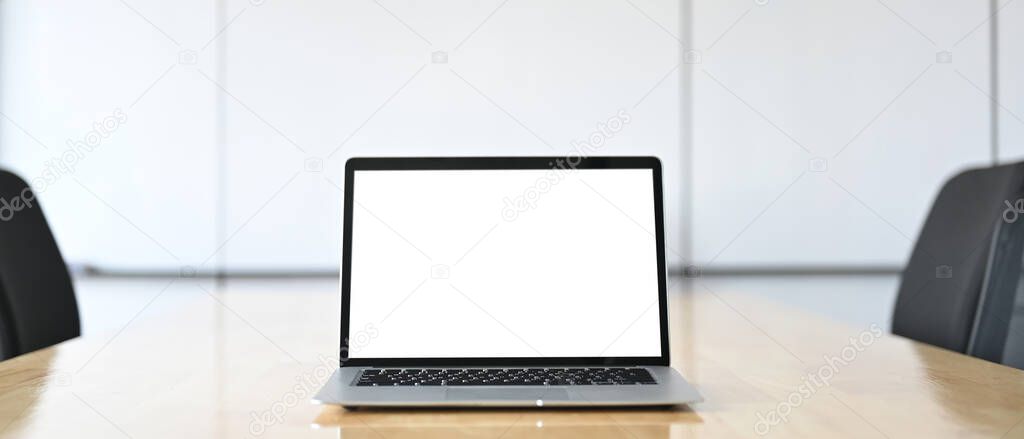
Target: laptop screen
pixel 503 263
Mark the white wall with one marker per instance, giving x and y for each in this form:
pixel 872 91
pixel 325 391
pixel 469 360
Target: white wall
pixel 1010 100
pixel 355 79
pixel 853 83
pixel 297 79
pixel 278 86
pixel 143 198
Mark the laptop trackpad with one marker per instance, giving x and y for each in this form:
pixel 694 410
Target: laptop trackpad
pixel 511 394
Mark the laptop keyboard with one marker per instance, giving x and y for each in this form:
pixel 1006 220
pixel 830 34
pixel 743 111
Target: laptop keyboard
pixel 601 376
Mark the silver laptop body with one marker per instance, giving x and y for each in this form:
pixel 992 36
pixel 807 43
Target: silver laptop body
pixel 513 281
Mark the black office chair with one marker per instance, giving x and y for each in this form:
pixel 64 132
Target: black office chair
pixel 37 303
pixel 943 287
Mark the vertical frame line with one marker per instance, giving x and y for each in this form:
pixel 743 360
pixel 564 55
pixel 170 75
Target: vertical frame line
pixel 221 210
pixel 993 105
pixel 686 138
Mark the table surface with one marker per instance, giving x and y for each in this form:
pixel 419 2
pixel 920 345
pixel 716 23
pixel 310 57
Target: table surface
pixel 243 362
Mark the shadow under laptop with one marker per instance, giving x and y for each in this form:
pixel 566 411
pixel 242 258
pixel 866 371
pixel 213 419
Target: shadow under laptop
pixel 508 422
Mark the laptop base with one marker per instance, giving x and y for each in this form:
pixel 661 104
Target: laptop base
pixel 671 389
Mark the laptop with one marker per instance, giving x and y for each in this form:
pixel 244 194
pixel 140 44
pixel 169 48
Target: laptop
pixel 504 281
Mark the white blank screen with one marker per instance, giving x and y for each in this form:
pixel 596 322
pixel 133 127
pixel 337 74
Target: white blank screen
pixel 504 263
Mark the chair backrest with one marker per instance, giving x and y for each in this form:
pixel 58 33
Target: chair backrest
pixel 37 302
pixel 998 332
pixel 939 293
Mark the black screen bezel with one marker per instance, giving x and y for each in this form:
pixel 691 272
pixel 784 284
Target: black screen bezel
pixel 483 163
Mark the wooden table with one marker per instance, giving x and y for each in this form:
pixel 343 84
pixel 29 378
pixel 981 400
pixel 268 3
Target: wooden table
pixel 244 362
